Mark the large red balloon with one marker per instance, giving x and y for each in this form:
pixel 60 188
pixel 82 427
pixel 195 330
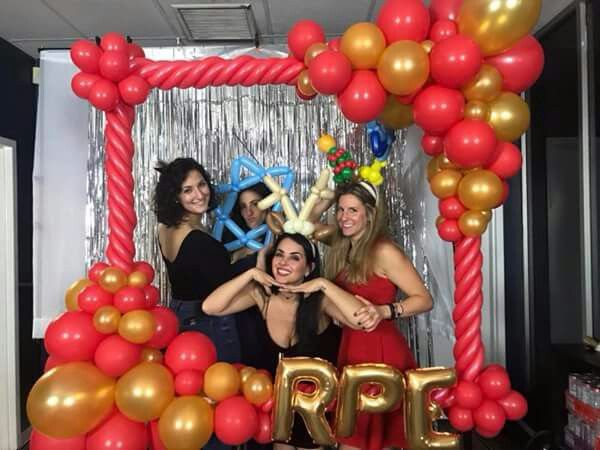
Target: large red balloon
pixel 118 433
pixel 445 9
pixel 403 20
pixel 82 82
pixel 189 382
pixel 521 65
pixel 364 98
pixel 52 362
pixel 330 72
pixel 495 384
pixel 114 42
pixel 437 108
pixel 39 441
pixel 152 295
pixel 514 405
pixel 166 328
pixel 334 44
pixel 468 394
pixel 452 208
pixel 135 51
pixel 114 65
pixel 443 29
pixel 432 145
pixel 115 356
pixel 263 433
pixel 104 95
pixel 144 267
pixel 455 61
pixel 93 297
pixel 461 419
pixel 302 35
pixel 489 417
pixel 470 143
pixel 129 298
pixel 86 55
pixel 449 231
pixel 191 350
pixel 134 91
pixel 72 337
pixel 236 420
pixel 507 160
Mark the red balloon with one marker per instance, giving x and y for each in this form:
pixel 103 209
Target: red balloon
pixel 437 108
pixel 470 143
pixel 504 193
pixel 364 98
pixel 72 337
pixel 86 55
pixel 155 442
pixel 266 373
pixel 489 416
pixel 521 65
pixel 468 394
pixel 129 298
pixel 135 51
pixel 236 420
pixel 118 432
pixel 445 9
pixel 145 268
pixel 461 419
pixel 449 231
pixel 115 356
pixel 104 95
pixel 302 35
pixel 495 384
pixel 263 433
pixel 514 405
pixel 301 96
pixel 455 61
pixel 39 441
pixel 134 90
pixel 52 362
pixel 114 65
pixel 334 44
pixel 410 98
pixel 191 350
pixel 166 328
pixel 402 20
pixel 443 29
pixel 487 433
pixel 96 270
pixel 330 72
pixel 189 382
pixel 82 82
pixel 267 406
pixel 114 42
pixel 152 295
pixel 507 160
pixel 432 145
pixel 452 208
pixel 93 297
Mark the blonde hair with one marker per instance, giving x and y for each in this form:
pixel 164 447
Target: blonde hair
pixel 355 260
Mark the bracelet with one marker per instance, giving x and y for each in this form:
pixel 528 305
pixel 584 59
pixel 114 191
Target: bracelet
pixel 392 311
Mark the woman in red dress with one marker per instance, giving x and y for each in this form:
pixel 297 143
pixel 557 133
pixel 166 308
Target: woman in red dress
pixel 366 262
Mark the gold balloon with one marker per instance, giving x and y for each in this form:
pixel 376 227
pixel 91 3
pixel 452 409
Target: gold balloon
pixel 258 388
pixel 472 223
pixel 486 85
pixel 137 326
pixel 418 414
pixel 351 399
pixel 363 43
pixel 151 355
pixel 445 183
pixel 137 279
pixel 480 190
pixel 403 67
pixel 427 46
pixel 304 85
pixel 497 25
pixel 221 380
pixel 325 143
pixel 477 110
pixel 487 214
pixel 444 163
pixel 73 291
pixel 395 115
pixel 433 167
pixel 509 116
pixel 186 424
pixel 324 233
pixel 245 373
pixel 112 279
pixel 145 391
pixel 312 51
pixel 70 400
pixel 106 319
pixel 312 406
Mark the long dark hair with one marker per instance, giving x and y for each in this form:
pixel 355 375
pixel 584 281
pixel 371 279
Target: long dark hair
pixel 307 314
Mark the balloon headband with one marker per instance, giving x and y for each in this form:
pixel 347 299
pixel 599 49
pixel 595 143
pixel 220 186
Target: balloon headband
pixel 370 189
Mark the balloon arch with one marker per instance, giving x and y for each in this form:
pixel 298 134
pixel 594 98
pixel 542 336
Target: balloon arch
pixel 456 70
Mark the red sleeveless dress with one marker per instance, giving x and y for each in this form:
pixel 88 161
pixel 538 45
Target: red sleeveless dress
pixel 385 344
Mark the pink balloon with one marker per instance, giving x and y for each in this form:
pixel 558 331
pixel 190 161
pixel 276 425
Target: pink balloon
pixel 152 295
pixel 155 442
pixel 521 65
pixel 302 35
pixel 236 420
pixel 330 72
pixel 96 270
pixel 461 419
pixel 118 433
pixel 364 98
pixel 114 42
pixel 135 51
pixel 104 95
pixel 432 145
pixel 455 61
pixel 507 160
pixel 144 267
pixel 166 328
pixel 443 29
pixel 489 417
pixel 437 108
pixel 263 433
pixel 72 337
pixel 86 55
pixel 191 350
pixel 134 90
pixel 470 143
pixel 449 231
pixel 114 65
pixel 189 382
pixel 129 298
pixel 452 208
pixel 403 20
pixel 334 44
pixel 39 441
pixel 82 82
pixel 115 356
pixel 93 297
pixel 468 394
pixel 495 384
pixel 514 405
pixel 52 362
pixel 445 9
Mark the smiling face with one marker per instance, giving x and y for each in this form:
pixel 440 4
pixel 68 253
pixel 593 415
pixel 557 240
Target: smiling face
pixel 194 196
pixel 289 263
pixel 351 216
pixel 249 210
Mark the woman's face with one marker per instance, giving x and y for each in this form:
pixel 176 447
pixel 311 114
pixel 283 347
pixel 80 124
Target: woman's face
pixel 351 216
pixel 195 193
pixel 251 214
pixel 289 264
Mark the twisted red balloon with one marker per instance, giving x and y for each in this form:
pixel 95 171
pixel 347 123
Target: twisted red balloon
pixel 122 220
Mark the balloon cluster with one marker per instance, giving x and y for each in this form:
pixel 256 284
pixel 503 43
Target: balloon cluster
pixel 106 76
pixel 487 403
pixel 340 160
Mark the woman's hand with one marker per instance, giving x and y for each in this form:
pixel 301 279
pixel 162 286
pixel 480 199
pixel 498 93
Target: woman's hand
pixel 318 284
pixel 264 278
pixel 369 315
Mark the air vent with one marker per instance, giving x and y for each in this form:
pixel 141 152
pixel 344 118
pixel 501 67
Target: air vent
pixel 217 22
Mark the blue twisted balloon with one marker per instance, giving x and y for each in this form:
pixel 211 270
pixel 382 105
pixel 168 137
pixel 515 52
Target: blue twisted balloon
pixel 380 139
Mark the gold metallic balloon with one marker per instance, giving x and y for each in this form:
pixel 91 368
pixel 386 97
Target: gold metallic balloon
pixel 304 85
pixel 480 190
pixel 70 400
pixel 106 319
pixel 395 115
pixel 487 214
pixel 427 46
pixel 137 279
pixel 486 85
pixel 258 388
pixel 477 110
pixel 403 67
pixel 275 222
pixel 509 116
pixel 73 291
pixel 324 233
pixel 137 326
pixel 351 399
pixel 310 406
pixel 151 355
pixel 186 424
pixel 445 183
pixel 112 279
pixel 419 416
pixel 245 373
pixel 497 24
pixel 312 51
pixel 472 223
pixel 444 163
pixel 221 381
pixel 363 43
pixel 145 391
pixel 433 167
